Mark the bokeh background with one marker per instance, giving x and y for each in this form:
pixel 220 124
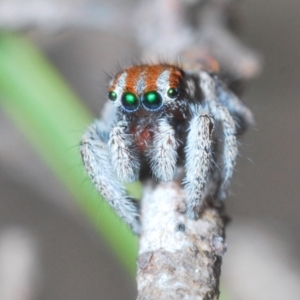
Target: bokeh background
pixel 63 254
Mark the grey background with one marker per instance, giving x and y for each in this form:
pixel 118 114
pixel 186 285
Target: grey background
pixel 74 262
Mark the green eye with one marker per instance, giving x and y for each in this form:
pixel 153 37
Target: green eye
pixel 112 96
pixel 130 101
pixel 173 93
pixel 152 100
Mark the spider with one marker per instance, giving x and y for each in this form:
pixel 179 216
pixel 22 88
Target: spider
pixel 159 119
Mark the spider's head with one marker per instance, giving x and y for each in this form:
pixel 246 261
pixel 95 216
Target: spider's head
pixel 147 88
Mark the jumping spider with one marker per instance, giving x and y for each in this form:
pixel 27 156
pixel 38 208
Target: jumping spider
pixel 159 118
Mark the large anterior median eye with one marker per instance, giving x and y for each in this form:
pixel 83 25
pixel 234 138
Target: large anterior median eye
pixel 130 101
pixel 152 100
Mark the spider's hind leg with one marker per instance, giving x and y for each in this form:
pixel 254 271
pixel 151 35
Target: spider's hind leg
pixel 228 150
pixel 240 113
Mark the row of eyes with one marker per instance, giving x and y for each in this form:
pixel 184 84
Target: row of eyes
pixel 151 100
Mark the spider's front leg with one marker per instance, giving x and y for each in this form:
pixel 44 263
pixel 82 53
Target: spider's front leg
pixel 124 157
pixel 98 149
pixel 163 153
pixel 198 162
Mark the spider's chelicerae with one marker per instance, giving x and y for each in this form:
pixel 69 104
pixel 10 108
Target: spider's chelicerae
pixel 159 118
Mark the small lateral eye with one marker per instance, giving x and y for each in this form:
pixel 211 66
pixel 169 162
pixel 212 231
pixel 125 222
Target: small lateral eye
pixel 130 101
pixel 152 100
pixel 112 96
pixel 173 93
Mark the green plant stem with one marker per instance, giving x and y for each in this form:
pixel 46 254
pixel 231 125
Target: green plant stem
pixel 53 119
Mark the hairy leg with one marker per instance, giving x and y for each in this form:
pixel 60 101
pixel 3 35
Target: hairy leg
pixel 97 161
pixel 163 154
pixel 229 150
pixel 198 162
pixel 241 114
pixel 124 158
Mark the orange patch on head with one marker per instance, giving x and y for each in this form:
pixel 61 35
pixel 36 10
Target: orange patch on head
pixel 150 74
pixel 176 76
pixel 133 75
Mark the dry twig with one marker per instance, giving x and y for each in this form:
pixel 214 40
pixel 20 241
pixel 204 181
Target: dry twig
pixel 178 258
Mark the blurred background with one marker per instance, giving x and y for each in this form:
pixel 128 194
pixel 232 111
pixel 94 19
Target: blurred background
pixel 48 248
